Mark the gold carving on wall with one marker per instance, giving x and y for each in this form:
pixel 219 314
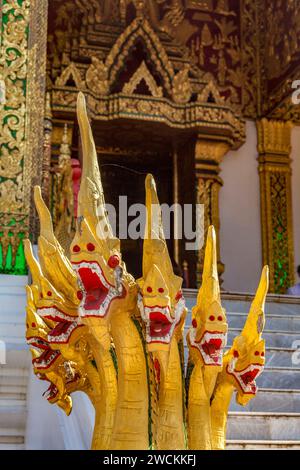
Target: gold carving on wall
pixel 70 72
pixel 208 156
pixel 140 28
pixel 22 66
pixel 97 77
pixel 274 146
pixel 181 87
pixel 143 73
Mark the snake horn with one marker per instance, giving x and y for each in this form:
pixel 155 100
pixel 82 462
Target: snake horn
pixel 155 246
pixel 210 288
pixel 255 322
pixel 33 264
pixel 91 203
pixel 46 226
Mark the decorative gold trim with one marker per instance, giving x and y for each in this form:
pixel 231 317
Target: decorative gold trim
pixel 274 146
pixel 142 73
pixel 208 156
pixel 22 64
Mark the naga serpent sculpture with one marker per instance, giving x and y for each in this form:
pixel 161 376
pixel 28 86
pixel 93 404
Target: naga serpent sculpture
pixel 93 328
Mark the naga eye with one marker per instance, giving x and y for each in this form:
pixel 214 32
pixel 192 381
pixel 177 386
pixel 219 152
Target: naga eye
pixel 161 290
pixel 212 318
pixel 262 354
pixel 149 289
pixel 220 318
pixel 76 248
pixel 256 353
pixel 90 247
pixel 49 293
pixel 33 325
pixel 194 323
pixel 235 353
pixel 113 261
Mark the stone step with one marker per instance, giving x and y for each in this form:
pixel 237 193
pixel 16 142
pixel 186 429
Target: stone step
pixel 269 400
pixel 13 376
pixel 276 304
pixel 13 295
pixel 12 439
pixel 9 402
pixel 12 446
pixel 13 389
pixel 273 322
pixel 263 426
pixel 279 377
pixel 17 356
pixel 262 445
pixel 12 416
pixel 280 339
pixel 13 394
pixel 283 306
pixel 12 330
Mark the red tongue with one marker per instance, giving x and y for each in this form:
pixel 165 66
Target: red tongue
pixel 212 346
pixel 248 377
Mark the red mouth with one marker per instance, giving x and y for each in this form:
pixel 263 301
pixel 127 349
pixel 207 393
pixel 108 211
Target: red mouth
pixel 52 391
pixel 249 377
pixel 212 347
pixel 37 342
pixel 159 324
pixel 47 358
pixel 60 328
pixel 96 292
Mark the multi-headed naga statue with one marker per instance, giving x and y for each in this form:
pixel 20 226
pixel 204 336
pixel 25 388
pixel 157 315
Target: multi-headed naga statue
pixel 93 328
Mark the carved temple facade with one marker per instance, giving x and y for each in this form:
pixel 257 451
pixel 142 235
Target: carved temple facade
pixel 169 87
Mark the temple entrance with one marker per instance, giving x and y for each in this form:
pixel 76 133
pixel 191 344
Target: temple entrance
pixel 126 154
pixel 124 175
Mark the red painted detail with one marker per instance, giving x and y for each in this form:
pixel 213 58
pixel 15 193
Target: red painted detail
pixel 157 369
pixel 178 296
pixel 90 247
pixel 212 318
pixel 149 289
pixel 194 323
pixel 76 248
pixel 161 290
pixel 113 261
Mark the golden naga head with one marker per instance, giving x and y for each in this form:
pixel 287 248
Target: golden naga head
pixel 160 301
pixel 56 393
pixel 47 304
pixel 208 332
pixel 245 360
pixel 54 263
pixel 95 252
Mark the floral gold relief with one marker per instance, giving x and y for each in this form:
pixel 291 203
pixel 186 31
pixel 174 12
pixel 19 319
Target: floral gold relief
pixel 274 147
pixel 22 68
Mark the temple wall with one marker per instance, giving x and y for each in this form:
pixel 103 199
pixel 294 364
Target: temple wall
pixel 296 191
pixel 241 246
